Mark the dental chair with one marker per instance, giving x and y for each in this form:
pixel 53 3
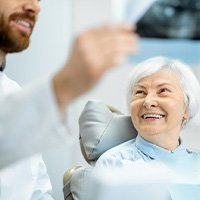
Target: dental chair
pixel 101 127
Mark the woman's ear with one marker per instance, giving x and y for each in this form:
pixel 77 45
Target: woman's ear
pixel 186 115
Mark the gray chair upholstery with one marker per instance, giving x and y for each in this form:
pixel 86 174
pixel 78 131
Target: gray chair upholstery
pixel 101 127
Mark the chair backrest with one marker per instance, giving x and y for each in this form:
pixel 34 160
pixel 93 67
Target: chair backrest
pixel 101 127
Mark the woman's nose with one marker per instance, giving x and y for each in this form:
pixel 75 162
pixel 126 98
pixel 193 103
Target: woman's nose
pixel 150 101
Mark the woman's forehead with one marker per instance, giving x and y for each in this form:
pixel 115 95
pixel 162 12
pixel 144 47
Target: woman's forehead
pixel 161 77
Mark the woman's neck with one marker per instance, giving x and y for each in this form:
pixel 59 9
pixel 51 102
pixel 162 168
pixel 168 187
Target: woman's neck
pixel 168 143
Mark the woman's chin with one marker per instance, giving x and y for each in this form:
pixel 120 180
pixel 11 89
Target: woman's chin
pixel 149 131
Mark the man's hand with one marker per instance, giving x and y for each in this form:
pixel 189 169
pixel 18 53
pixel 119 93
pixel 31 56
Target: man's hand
pixel 94 52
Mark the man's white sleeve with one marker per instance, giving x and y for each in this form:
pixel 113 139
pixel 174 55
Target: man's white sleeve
pixel 29 123
pixel 42 189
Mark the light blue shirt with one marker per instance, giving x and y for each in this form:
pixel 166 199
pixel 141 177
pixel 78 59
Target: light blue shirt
pixel 184 163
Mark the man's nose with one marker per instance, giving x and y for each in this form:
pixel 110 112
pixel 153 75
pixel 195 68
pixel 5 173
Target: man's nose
pixel 32 6
pixel 150 101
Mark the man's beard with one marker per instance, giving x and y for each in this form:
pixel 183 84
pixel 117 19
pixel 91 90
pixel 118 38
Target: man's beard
pixel 10 40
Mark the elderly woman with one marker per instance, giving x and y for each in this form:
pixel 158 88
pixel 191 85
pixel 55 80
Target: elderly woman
pixel 163 97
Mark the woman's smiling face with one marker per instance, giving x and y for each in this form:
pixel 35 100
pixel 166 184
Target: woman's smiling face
pixel 158 106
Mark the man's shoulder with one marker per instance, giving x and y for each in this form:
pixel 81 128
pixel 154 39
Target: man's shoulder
pixel 8 85
pixel 10 81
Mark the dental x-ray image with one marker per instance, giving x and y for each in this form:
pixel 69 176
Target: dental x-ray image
pixel 166 27
pixel 171 19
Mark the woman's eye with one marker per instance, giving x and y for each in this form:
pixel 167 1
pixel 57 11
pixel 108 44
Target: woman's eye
pixel 138 92
pixel 163 90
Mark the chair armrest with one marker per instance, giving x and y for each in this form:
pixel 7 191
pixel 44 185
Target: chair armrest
pixel 66 182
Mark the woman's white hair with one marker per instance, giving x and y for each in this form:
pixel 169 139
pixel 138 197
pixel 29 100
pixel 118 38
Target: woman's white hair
pixel 188 81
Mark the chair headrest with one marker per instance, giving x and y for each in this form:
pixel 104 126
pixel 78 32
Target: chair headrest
pixel 102 127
